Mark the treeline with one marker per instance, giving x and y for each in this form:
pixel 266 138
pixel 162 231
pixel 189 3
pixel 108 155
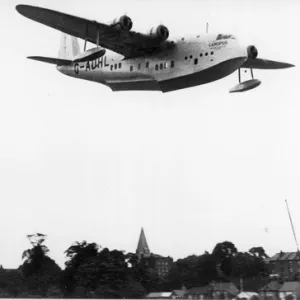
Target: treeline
pixel 94 272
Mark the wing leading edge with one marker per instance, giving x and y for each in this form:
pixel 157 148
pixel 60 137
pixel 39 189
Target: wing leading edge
pixel 265 64
pixel 128 43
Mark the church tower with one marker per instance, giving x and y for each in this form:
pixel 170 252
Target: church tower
pixel 142 247
pixel 154 261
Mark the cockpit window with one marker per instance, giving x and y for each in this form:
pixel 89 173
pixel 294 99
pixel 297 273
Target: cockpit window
pixel 225 36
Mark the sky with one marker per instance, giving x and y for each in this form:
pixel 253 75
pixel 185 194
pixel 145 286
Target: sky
pixel 193 167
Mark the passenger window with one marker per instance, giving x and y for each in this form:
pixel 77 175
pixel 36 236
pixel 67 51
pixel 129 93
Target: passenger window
pixel 172 63
pixel 111 67
pixel 195 61
pixel 161 66
pixel 206 53
pixel 131 68
pixel 139 66
pixel 212 52
pixel 186 58
pixel 147 64
pixel 191 56
pixel 156 67
pixel 120 65
pixel 165 65
pixel 201 54
pixel 116 66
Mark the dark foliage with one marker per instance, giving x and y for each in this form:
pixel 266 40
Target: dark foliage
pixel 95 272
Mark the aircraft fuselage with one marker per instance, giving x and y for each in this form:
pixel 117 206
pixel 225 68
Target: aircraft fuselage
pixel 192 61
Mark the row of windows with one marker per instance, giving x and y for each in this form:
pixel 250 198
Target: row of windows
pixel 116 66
pixel 201 54
pixel 160 66
pixel 157 66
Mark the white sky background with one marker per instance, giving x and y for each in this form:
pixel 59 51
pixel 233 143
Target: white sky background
pixel 193 167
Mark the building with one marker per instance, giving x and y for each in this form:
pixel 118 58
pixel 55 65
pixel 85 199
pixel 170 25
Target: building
pixel 214 290
pixel 247 295
pixel 175 294
pixel 202 292
pixel 286 265
pixel 270 291
pixel 178 294
pixel 290 288
pixel 224 290
pixel 159 295
pixel 160 263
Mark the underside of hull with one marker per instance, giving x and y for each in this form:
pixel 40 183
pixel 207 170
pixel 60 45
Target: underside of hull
pixel 208 75
pixel 142 85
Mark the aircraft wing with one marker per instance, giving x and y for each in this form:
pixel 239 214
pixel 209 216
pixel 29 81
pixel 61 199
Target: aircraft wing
pixel 259 63
pixel 128 43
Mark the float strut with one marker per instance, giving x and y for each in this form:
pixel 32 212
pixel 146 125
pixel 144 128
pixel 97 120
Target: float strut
pixel 239 75
pixel 251 73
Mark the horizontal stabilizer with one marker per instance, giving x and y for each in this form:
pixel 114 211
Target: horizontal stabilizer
pixel 90 54
pixel 50 60
pixel 259 63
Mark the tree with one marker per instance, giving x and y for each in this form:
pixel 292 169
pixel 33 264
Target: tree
pixel 11 282
pixel 39 270
pixel 77 254
pixel 34 257
pixel 206 268
pixel 258 252
pixel 224 253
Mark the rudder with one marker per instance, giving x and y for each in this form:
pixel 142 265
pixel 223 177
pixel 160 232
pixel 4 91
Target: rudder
pixel 69 47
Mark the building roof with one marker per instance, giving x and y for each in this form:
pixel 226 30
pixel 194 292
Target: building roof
pixel 225 286
pixel 271 286
pixel 290 286
pixel 142 247
pixel 159 295
pixel 179 293
pixel 201 290
pixel 246 295
pixel 285 256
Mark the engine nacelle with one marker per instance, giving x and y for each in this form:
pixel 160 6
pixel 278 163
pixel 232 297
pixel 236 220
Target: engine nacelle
pixel 252 51
pixel 160 32
pixel 124 22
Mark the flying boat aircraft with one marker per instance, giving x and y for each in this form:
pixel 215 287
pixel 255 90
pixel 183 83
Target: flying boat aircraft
pixel 146 61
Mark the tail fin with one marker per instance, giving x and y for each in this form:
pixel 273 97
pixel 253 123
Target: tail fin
pixel 69 47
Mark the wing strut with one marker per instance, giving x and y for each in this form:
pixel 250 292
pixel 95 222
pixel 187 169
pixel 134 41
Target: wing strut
pixel 98 36
pixel 86 34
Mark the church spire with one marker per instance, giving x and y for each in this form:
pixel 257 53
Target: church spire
pixel 142 248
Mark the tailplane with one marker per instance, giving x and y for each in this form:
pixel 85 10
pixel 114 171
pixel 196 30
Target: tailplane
pixel 69 50
pixel 50 60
